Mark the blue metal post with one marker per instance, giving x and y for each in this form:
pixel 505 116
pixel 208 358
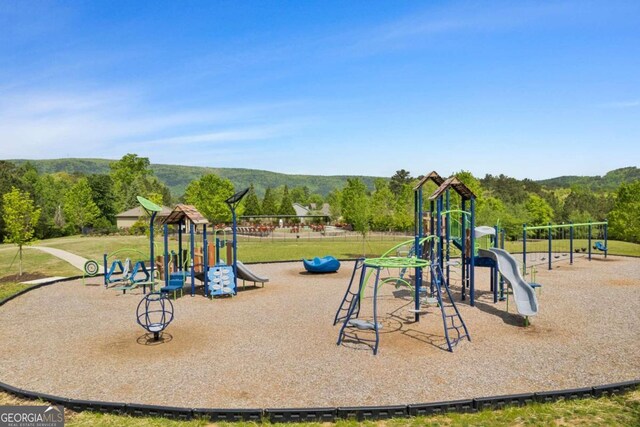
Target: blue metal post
pixel 152 255
pixel 166 253
pixel 550 243
pixel 524 249
pixel 571 243
pixel 448 232
pixel 589 241
pixel 463 256
pixel 502 236
pixel 106 270
pixel 192 247
pixel 205 258
pixel 432 218
pixel 418 229
pixel 439 230
pixel 494 269
pixel 432 248
pixel 606 238
pixel 472 256
pixel 234 246
pixel 180 245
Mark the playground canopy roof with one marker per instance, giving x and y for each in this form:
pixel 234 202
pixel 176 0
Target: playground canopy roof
pixel 180 212
pixel 433 176
pixel 457 185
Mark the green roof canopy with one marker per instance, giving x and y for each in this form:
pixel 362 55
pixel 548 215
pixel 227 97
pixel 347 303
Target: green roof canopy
pixel 148 205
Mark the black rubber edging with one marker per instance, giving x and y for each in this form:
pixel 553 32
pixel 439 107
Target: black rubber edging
pixel 435 408
pixel 299 415
pixel 314 414
pixel 359 413
pixel 362 413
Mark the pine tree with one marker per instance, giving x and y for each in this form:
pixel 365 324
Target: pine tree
pixel 251 203
pixel 286 205
pixel 269 203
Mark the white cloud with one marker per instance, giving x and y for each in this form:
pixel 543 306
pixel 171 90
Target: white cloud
pixel 219 137
pixel 111 122
pixel 453 18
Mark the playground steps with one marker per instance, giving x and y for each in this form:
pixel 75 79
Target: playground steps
pixel 350 304
pixel 349 311
pixel 455 329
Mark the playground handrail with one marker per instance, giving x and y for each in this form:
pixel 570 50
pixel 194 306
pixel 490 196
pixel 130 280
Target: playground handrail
pixel 408 242
pixel 545 227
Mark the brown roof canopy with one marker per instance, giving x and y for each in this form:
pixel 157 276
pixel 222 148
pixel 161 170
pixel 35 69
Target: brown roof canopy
pixel 433 176
pixel 180 212
pixel 457 185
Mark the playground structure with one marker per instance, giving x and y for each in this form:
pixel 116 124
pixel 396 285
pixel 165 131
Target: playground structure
pixel 565 237
pixel 326 264
pixel 445 238
pixel 122 273
pixel 154 313
pixel 214 263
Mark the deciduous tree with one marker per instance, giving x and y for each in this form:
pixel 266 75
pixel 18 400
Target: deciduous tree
pixel 208 194
pixel 79 208
pixel 382 206
pixel 20 217
pixel 539 211
pixel 624 219
pixel 356 208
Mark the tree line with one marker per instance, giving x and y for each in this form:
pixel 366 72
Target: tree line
pixel 499 199
pixel 65 204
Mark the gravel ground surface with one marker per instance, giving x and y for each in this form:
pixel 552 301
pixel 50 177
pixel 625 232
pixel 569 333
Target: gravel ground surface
pixel 275 346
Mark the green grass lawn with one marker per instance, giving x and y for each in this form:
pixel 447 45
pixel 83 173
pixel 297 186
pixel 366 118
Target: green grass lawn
pixel 621 410
pixel 249 250
pixel 266 249
pixel 10 288
pixel 34 261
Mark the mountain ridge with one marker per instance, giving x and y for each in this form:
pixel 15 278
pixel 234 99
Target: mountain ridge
pixel 177 177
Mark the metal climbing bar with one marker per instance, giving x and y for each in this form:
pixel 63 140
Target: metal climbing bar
pixel 350 297
pixel 451 321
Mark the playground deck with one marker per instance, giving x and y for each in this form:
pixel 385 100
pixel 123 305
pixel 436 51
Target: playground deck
pixel 275 346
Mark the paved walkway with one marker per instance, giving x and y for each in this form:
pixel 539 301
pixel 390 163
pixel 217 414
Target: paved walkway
pixel 43 280
pixel 73 259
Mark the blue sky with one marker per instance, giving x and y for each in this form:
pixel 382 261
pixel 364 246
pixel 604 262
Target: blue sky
pixel 530 89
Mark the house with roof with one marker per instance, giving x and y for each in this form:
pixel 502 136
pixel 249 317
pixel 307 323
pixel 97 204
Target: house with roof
pixel 127 218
